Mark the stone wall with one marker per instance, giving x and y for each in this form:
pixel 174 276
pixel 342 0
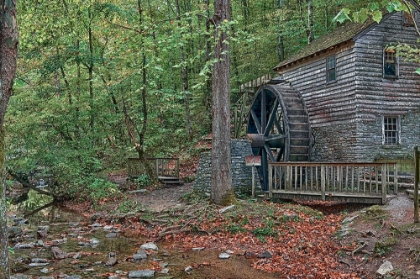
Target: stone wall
pixel 241 174
pixel 362 141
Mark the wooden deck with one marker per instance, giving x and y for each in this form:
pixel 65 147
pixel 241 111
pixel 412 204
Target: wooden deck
pixel 367 183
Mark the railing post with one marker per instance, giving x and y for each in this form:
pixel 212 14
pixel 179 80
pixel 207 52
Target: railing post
pixel 270 181
pixel 395 178
pixel 323 182
pixel 384 183
pixel 416 183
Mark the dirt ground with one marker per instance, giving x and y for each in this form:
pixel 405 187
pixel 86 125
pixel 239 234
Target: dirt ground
pixel 377 233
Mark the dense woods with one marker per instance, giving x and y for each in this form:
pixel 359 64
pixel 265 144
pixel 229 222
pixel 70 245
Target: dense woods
pixel 103 80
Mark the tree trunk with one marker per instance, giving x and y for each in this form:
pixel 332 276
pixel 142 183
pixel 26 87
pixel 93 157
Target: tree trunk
pixel 310 28
pixel 184 76
pixel 8 53
pixel 221 180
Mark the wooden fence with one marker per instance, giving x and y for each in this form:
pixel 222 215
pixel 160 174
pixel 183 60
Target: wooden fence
pixel 345 182
pixel 416 183
pixel 162 167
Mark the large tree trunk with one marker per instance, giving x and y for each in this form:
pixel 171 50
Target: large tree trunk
pixel 221 179
pixel 8 54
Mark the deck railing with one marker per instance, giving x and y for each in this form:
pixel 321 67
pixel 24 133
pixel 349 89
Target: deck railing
pixel 162 167
pixel 352 182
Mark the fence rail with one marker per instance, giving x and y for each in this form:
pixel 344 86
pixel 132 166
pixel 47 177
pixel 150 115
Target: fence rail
pixel 348 182
pixel 162 167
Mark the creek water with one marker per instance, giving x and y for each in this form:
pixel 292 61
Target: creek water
pixel 83 247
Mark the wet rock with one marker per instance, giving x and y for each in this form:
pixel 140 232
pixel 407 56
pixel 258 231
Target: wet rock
pixel 385 268
pixel 73 224
pixel 112 259
pixel 111 235
pixel 39 243
pixel 37 264
pixel 20 221
pixel 73 277
pixel 188 269
pixel 45 277
pixel 147 273
pixel 45 270
pixel 59 241
pixel 42 234
pixel 44 228
pixel 29 245
pixel 149 246
pixel 224 256
pixel 265 255
pixel 58 253
pixel 15 231
pixel 198 248
pixel 94 241
pixel 20 276
pixel 164 271
pixel 108 227
pixel 114 277
pixel 139 255
pixel 96 225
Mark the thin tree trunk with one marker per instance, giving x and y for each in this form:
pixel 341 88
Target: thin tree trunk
pixel 90 71
pixel 310 28
pixel 8 53
pixel 208 89
pixel 221 179
pixel 184 77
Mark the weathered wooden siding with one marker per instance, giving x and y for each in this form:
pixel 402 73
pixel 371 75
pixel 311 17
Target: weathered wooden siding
pixel 377 95
pixel 327 103
pixel 346 115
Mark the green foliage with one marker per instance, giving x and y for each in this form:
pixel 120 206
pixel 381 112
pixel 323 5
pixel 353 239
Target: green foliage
pixel 142 181
pixel 127 206
pixel 100 189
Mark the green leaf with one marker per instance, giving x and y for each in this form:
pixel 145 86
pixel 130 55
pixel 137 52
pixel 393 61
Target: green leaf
pixel 342 16
pixel 377 16
pixel 373 6
pixel 418 71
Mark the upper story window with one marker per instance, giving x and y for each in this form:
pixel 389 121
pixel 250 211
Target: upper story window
pixel 390 63
pixel 391 130
pixel 331 70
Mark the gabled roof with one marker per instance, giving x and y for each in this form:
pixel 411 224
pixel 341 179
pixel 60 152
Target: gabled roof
pixel 327 41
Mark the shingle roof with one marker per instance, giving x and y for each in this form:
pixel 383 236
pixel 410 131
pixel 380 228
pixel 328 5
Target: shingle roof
pixel 340 35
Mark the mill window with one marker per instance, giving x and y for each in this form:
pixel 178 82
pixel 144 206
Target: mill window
pixel 391 130
pixel 390 63
pixel 331 72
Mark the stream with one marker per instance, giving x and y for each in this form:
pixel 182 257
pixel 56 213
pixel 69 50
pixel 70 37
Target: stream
pixel 48 242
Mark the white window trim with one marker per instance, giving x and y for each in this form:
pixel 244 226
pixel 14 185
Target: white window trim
pixel 398 129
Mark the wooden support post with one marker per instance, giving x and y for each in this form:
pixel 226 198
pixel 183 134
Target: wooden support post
pixel 270 181
pixel 384 183
pixel 253 181
pixel 323 182
pixel 416 183
pixel 395 178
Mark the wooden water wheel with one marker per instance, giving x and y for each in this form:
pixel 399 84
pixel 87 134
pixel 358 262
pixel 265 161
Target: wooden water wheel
pixel 278 127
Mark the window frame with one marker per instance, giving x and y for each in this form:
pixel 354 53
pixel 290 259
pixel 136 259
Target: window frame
pixel 391 136
pixel 386 61
pixel 331 68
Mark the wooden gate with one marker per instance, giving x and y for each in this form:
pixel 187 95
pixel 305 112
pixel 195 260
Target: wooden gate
pixel 345 182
